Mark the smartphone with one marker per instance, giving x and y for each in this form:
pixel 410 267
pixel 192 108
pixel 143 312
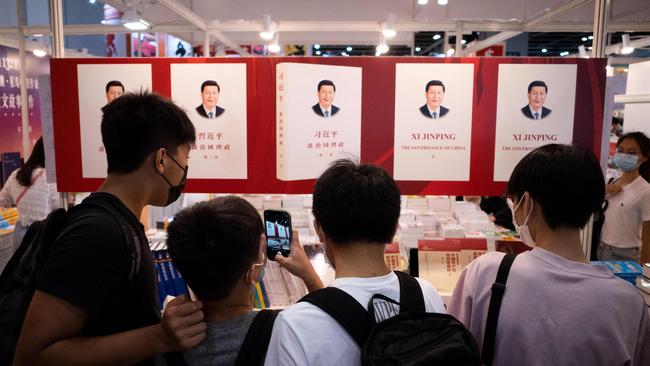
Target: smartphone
pixel 278 233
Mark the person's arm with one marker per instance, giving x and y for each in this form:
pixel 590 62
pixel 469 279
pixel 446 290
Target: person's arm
pixel 6 200
pixel 52 325
pixel 645 242
pixel 299 265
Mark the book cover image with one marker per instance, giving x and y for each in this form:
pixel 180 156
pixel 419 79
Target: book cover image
pixel 318 118
pixel 98 85
pixel 535 107
pixel 433 121
pixel 214 97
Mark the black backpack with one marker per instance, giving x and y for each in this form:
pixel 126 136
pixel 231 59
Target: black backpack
pixel 253 349
pixel 18 279
pixel 411 337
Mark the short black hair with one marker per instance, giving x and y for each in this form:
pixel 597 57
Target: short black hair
pixel 356 202
pixel 433 83
pixel 137 124
pixel 210 83
pixel 644 145
pixel 213 244
pixel 537 83
pixel 564 180
pixel 114 83
pixel 326 82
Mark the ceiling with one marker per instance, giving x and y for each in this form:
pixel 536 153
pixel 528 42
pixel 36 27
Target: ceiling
pixel 356 22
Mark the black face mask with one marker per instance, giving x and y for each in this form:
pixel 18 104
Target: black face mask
pixel 175 191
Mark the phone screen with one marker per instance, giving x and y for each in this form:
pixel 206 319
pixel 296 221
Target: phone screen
pixel 278 233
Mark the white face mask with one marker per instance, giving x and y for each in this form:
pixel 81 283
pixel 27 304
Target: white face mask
pixel 522 230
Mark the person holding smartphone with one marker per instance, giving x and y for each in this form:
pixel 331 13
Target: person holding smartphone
pixel 219 247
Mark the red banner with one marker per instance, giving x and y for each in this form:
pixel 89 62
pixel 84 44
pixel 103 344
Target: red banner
pixel 377 119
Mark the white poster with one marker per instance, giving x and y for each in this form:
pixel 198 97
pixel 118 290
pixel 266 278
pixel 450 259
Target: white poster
pixel 93 82
pixel 535 107
pixel 636 114
pixel 318 118
pixel 214 96
pixel 433 121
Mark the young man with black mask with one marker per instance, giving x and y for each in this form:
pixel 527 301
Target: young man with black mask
pixel 89 307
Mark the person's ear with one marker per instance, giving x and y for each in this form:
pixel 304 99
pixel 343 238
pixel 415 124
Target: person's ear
pixel 319 232
pixel 158 160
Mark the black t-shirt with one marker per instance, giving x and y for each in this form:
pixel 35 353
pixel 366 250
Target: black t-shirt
pixel 89 266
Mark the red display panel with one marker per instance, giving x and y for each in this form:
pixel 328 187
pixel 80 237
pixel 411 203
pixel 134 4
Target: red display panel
pixel 377 119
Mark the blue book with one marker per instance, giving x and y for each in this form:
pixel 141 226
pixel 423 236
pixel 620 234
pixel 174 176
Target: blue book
pixel 10 162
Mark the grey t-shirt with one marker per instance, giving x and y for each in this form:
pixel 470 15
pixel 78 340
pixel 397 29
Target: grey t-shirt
pixel 222 342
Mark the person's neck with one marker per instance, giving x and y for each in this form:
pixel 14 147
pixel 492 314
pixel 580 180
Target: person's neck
pixel 432 108
pixel 239 302
pixel 209 109
pixel 128 189
pixel 538 110
pixel 325 108
pixel 363 260
pixel 563 242
pixel 628 177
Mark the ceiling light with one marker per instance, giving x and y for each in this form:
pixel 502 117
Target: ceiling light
pixel 450 52
pixel 274 46
pixel 39 52
pixel 443 2
pixel 382 48
pixel 318 53
pixel 423 2
pixel 132 20
pixel 349 49
pixel 582 51
pixel 317 46
pixel 462 41
pixel 544 50
pixel 268 28
pixel 436 37
pixel 627 47
pixel 584 39
pixel 590 38
pixel 564 53
pixel 418 49
pixel 388 27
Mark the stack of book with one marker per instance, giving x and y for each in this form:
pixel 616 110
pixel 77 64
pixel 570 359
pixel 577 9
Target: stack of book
pixel 170 281
pixel 626 270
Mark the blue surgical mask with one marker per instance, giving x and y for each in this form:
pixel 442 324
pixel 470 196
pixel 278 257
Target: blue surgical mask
pixel 626 162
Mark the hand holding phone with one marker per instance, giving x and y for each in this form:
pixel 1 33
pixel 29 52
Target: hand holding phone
pixel 278 228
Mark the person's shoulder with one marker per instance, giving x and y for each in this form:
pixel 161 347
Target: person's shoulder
pixel 92 225
pixel 431 296
pixel 315 107
pixel 335 109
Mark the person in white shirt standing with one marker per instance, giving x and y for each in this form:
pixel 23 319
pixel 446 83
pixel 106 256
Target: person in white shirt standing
pixel 356 208
pixel 28 190
pixel 626 231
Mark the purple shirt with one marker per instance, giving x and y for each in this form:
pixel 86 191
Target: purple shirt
pixel 555 312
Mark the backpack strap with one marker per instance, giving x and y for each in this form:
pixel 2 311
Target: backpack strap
pixel 253 350
pixel 345 309
pixel 498 289
pixel 410 293
pixel 130 235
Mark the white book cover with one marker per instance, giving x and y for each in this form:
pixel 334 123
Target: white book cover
pixel 518 131
pixel 92 81
pixel 636 114
pixel 218 113
pixel 433 121
pixel 318 118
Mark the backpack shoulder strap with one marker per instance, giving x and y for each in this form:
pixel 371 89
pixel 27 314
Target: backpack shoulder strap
pixel 498 289
pixel 345 309
pixel 130 235
pixel 410 293
pixel 253 350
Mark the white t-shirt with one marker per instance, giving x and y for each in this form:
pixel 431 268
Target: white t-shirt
pixel 555 312
pixel 39 200
pixel 303 334
pixel 625 215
